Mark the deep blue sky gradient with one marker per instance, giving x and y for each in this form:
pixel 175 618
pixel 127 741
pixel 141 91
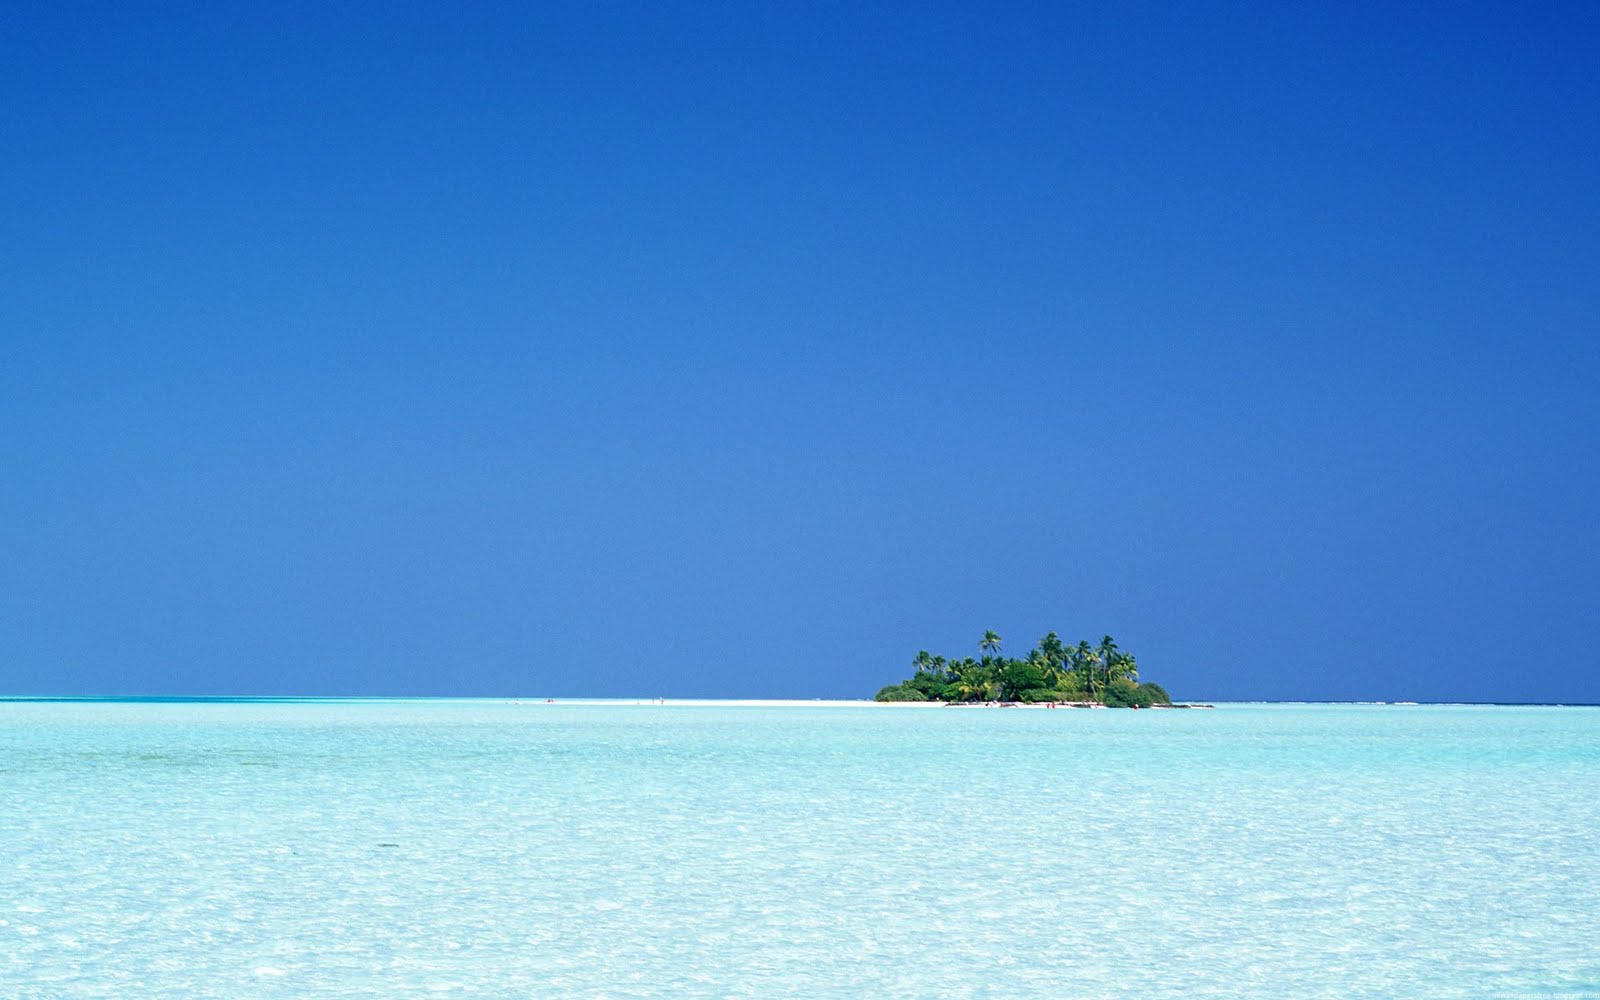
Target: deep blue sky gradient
pixel 734 350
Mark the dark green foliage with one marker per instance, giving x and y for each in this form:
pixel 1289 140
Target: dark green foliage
pixel 931 686
pixel 899 692
pixel 1123 693
pixel 1018 676
pixel 1157 692
pixel 1039 695
pixel 1053 671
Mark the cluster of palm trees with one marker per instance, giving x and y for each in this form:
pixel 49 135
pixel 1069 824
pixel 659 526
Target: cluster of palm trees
pixel 1052 671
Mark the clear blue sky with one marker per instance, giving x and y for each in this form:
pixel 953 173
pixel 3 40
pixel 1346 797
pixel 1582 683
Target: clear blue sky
pixel 743 350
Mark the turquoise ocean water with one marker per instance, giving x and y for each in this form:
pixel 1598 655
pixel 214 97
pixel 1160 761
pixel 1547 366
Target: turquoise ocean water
pixel 400 848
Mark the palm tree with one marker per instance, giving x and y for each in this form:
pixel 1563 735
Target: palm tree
pixel 1084 660
pixel 1079 671
pixel 972 689
pixel 1108 652
pixel 1052 649
pixel 991 642
pixel 1053 656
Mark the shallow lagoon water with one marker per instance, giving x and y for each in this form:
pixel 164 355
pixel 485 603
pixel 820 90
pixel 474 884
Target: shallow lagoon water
pixel 486 848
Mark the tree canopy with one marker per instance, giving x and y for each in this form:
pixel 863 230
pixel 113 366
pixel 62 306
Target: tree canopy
pixel 1052 671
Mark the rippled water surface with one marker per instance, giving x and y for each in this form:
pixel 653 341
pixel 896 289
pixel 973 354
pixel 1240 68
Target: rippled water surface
pixel 392 848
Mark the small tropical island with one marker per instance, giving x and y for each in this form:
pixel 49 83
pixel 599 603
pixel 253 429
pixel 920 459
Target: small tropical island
pixel 1052 673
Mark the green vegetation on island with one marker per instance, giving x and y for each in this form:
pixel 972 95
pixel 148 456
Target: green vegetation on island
pixel 1051 672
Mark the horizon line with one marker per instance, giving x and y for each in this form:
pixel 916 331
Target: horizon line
pixel 667 700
